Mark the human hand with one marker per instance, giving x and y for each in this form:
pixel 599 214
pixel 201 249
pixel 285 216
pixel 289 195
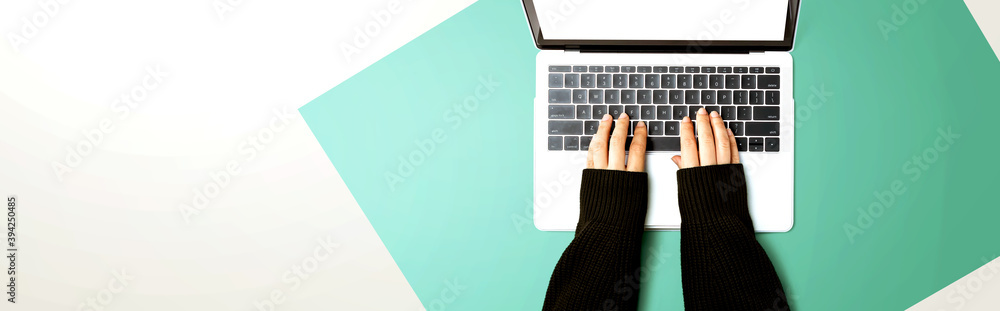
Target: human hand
pixel 716 144
pixel 610 155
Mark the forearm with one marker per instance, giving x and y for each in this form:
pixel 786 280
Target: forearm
pixel 599 268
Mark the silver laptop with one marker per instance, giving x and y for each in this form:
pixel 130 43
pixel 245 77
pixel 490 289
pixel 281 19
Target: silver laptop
pixel 659 61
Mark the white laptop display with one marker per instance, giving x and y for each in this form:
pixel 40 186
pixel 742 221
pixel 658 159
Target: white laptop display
pixel 658 61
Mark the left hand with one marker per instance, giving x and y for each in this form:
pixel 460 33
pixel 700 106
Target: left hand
pixel 611 155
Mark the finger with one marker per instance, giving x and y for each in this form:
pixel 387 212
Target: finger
pixel 637 152
pixel 677 160
pixel 722 146
pixel 616 149
pixel 735 158
pixel 706 141
pixel 689 146
pixel 599 145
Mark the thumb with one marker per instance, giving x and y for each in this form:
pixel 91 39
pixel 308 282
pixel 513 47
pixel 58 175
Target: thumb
pixel 677 160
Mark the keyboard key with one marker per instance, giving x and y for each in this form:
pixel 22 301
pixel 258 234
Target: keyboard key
pixel 725 97
pixel 771 144
pixel 583 112
pixel 612 97
pixel 648 112
pixel 741 143
pixel 616 110
pixel 671 128
pixel 716 81
pixel 599 111
pixel 756 97
pixel 645 69
pixel 644 97
pixel 571 143
pixel 676 97
pixel 725 69
pixel 756 141
pixel 663 113
pixel 663 144
pixel 740 70
pixel 652 81
pixel 732 81
pixel 772 70
pixel 620 81
pixel 655 128
pixel 708 69
pixel 772 98
pixel 585 142
pixel 737 128
pixel 749 81
pixel 596 69
pixel 744 113
pixel 668 81
pixel 692 69
pixel 769 82
pixel 693 112
pixel 555 142
pixel 680 112
pixel 684 81
pixel 611 69
pixel 632 111
pixel 692 97
pixel 579 68
pixel 700 81
pixel 596 97
pixel 555 80
pixel 756 148
pixel 709 109
pixel 635 81
pixel 628 68
pixel 756 69
pixel 708 97
pixel 676 69
pixel 565 127
pixel 660 96
pixel 587 81
pixel 560 96
pixel 660 69
pixel 559 69
pixel 741 97
pixel 590 127
pixel 766 113
pixel 728 113
pixel 561 112
pixel 628 96
pixel 579 96
pixel 763 128
pixel 604 81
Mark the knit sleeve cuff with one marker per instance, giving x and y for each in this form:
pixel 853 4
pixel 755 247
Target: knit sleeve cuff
pixel 707 193
pixel 615 198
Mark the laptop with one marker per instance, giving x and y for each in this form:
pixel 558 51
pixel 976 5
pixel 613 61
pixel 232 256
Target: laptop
pixel 659 61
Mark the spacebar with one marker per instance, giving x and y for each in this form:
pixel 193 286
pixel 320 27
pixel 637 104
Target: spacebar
pixel 663 144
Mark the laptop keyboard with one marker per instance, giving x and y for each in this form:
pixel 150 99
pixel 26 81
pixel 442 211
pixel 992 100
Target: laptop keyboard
pixel 747 98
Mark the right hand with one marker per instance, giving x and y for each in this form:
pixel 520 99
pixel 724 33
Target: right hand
pixel 716 144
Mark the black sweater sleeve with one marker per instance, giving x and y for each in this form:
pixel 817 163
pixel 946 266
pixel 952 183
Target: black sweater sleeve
pixel 599 269
pixel 722 265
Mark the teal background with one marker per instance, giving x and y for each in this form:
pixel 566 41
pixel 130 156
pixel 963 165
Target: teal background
pixel 453 218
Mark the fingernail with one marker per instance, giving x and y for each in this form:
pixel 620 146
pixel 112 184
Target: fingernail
pixel 641 124
pixel 606 117
pixel 622 116
pixel 686 119
pixel 715 114
pixel 701 111
pixel 731 132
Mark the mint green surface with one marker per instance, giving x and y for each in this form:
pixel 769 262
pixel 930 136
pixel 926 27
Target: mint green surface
pixel 453 218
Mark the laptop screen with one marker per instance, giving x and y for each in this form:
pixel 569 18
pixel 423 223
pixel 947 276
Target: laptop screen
pixel 687 20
